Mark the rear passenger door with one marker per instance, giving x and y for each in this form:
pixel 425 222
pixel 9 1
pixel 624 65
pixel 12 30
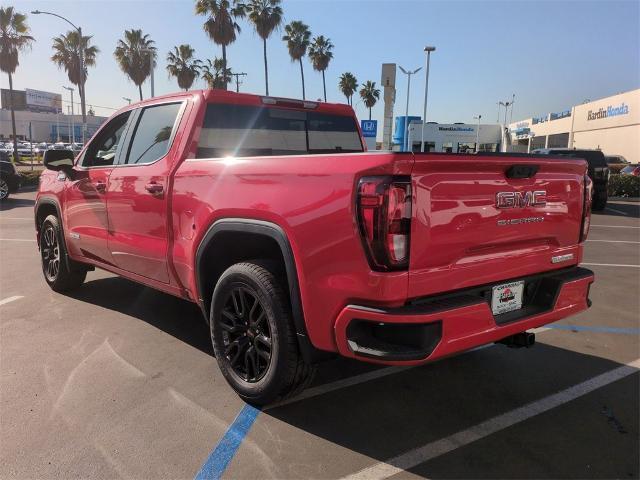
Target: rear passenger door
pixel 137 196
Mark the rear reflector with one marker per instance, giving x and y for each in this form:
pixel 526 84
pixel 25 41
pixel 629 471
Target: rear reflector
pixel 384 219
pixel 586 208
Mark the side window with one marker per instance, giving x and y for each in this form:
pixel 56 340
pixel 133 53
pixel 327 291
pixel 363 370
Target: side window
pixel 152 134
pixel 102 150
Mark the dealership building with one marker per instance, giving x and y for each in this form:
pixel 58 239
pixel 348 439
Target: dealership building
pixel 610 124
pixel 39 117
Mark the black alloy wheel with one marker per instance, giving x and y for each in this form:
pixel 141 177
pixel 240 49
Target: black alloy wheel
pixel 246 335
pixel 50 250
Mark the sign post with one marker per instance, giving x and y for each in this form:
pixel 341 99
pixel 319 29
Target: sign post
pixel 369 132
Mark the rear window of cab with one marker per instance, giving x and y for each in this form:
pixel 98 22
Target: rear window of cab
pixel 246 131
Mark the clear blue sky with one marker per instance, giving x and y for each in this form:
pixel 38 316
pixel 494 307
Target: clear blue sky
pixel 551 54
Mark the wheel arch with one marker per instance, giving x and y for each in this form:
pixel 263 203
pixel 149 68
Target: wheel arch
pixel 46 206
pixel 230 240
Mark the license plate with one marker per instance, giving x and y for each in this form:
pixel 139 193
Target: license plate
pixel 507 297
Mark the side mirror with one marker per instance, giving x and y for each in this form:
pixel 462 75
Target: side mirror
pixel 58 160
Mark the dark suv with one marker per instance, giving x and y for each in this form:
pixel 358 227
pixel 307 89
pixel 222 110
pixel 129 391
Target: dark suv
pixel 598 171
pixel 9 177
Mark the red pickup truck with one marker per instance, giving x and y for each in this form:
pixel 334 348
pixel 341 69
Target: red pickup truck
pixel 296 242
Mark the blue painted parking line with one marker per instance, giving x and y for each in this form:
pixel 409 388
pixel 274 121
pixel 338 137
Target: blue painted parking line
pixel 584 328
pixel 228 445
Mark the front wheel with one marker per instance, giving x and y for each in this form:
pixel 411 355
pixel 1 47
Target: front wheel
pixel 600 198
pixel 58 273
pixel 4 189
pixel 253 336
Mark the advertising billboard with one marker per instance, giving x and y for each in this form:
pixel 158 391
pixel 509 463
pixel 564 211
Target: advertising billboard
pixel 39 101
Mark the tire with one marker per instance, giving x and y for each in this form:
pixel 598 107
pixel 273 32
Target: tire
pixel 61 275
pixel 4 189
pixel 600 198
pixel 253 336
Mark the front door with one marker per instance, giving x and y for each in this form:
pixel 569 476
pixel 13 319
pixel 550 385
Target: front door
pixel 137 194
pixel 85 193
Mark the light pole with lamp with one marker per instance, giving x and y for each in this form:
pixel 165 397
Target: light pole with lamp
pixel 127 100
pixel 478 133
pixel 72 136
pixel 428 50
pixel 81 78
pixel 406 112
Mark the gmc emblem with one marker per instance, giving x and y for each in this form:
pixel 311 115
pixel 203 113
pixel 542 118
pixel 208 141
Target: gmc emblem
pixel 521 199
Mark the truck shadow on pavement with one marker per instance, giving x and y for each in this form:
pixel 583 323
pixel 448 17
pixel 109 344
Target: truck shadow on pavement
pixel 387 417
pixel 179 318
pixel 11 203
pixel 621 210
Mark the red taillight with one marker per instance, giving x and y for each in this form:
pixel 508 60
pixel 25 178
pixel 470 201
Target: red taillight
pixel 384 219
pixel 586 208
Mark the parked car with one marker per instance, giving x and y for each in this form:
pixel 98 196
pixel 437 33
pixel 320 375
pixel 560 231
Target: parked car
pixel 616 160
pixel 297 244
pixel 631 170
pixel 598 170
pixel 9 177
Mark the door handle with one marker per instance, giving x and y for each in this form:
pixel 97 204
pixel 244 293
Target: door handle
pixel 154 188
pixel 100 187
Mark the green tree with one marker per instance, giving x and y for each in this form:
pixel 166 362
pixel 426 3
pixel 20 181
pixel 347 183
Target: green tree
pixel 320 53
pixel 14 38
pixel 266 16
pixel 69 51
pixel 369 94
pixel 221 25
pixel 182 65
pixel 216 74
pixel 348 85
pixel 297 36
pixel 135 55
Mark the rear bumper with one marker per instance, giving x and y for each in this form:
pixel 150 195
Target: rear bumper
pixel 435 327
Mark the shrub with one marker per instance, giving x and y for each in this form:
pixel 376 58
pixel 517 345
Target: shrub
pixel 624 186
pixel 30 178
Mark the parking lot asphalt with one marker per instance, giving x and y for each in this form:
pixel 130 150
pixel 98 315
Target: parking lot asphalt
pixel 118 380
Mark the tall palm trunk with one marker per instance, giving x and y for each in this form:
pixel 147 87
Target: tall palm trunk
pixel 13 120
pixel 140 91
pixel 369 113
pixel 224 62
pixel 266 68
pixel 302 75
pixel 324 87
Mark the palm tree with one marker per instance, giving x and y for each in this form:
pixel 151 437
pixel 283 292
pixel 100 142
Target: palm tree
pixel 348 85
pixel 266 16
pixel 14 38
pixel 369 94
pixel 215 74
pixel 221 25
pixel 297 38
pixel 135 55
pixel 320 54
pixel 182 65
pixel 71 51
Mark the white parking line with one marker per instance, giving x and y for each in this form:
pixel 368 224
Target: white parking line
pixel 617 211
pixel 612 226
pixel 610 265
pixel 613 241
pixel 10 299
pixel 445 445
pixel 16 240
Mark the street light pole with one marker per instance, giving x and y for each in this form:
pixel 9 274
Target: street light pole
pixel 426 94
pixel 73 135
pixel 81 78
pixel 478 133
pixel 405 146
pixel 127 99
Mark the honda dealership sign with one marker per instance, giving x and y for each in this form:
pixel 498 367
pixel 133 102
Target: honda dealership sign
pixel 39 101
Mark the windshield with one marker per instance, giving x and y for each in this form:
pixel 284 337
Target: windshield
pixel 244 131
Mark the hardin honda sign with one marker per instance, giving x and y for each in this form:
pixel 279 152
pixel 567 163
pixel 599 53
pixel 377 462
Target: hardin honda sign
pixel 610 111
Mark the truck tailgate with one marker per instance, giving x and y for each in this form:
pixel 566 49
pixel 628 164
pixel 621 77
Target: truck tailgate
pixel 459 236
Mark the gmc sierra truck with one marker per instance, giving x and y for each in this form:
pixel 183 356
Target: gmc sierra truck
pixel 297 243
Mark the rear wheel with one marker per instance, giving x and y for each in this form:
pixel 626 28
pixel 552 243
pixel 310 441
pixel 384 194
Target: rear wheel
pixel 599 200
pixel 58 273
pixel 253 336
